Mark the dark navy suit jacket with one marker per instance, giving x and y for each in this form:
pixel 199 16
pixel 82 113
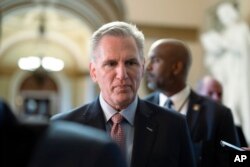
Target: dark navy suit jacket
pixel 208 123
pixel 161 137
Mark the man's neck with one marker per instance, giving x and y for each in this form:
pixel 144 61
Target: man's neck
pixel 173 91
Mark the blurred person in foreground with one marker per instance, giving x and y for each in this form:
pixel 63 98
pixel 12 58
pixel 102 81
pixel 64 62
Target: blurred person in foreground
pixel 167 72
pixel 7 117
pixel 146 133
pixel 36 143
pixel 212 88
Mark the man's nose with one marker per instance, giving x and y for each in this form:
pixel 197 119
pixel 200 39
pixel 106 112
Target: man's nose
pixel 149 66
pixel 121 72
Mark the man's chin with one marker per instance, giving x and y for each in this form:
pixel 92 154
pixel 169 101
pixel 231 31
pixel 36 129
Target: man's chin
pixel 125 98
pixel 123 102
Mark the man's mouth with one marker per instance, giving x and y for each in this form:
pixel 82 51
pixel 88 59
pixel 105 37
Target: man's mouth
pixel 123 88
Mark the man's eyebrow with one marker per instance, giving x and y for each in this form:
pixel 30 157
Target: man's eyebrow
pixel 132 59
pixel 108 61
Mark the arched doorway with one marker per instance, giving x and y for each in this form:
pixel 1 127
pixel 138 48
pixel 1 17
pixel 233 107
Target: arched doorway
pixel 39 94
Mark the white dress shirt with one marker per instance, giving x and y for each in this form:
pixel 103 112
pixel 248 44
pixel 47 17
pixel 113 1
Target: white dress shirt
pixel 180 100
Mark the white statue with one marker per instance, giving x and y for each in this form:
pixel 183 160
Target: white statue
pixel 228 58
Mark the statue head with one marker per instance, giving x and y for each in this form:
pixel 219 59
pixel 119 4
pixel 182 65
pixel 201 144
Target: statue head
pixel 227 13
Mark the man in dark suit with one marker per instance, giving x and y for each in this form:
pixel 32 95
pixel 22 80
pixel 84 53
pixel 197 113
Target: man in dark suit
pixel 149 135
pixel 210 87
pixel 208 122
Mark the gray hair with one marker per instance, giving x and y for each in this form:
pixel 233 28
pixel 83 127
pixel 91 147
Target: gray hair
pixel 119 29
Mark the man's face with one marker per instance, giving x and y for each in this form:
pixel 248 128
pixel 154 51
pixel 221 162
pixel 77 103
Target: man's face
pixel 213 90
pixel 159 69
pixel 118 70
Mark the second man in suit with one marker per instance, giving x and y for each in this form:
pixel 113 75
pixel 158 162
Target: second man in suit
pixel 209 122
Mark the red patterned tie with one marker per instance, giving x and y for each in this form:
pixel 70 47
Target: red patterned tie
pixel 117 132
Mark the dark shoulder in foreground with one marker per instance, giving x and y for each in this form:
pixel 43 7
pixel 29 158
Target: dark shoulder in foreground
pixel 68 140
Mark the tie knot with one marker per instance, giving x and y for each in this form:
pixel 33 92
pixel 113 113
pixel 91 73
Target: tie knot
pixel 169 104
pixel 117 118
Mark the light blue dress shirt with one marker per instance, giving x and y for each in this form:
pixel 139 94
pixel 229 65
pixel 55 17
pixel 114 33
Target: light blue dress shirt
pixel 127 124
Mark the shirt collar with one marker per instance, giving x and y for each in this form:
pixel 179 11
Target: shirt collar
pixel 178 98
pixel 128 113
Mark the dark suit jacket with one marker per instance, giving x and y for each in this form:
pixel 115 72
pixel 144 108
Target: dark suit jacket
pixel 161 138
pixel 67 144
pixel 208 123
pixel 243 142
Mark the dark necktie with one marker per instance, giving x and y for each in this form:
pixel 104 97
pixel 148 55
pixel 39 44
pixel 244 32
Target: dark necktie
pixel 169 105
pixel 117 132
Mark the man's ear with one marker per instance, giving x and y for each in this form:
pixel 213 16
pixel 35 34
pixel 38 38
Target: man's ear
pixel 92 71
pixel 178 67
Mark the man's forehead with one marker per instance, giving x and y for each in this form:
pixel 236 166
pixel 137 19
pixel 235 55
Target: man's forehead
pixel 155 54
pixel 127 56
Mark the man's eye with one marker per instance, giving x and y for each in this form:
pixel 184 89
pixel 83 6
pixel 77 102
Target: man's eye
pixel 130 63
pixel 154 60
pixel 110 64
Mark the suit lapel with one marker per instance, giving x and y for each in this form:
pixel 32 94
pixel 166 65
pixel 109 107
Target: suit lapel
pixel 144 135
pixel 94 116
pixel 194 110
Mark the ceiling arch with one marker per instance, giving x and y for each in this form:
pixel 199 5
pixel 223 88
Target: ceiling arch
pixel 93 12
pixel 68 23
pixel 53 39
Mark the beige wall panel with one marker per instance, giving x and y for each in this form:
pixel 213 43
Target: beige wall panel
pixel 168 12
